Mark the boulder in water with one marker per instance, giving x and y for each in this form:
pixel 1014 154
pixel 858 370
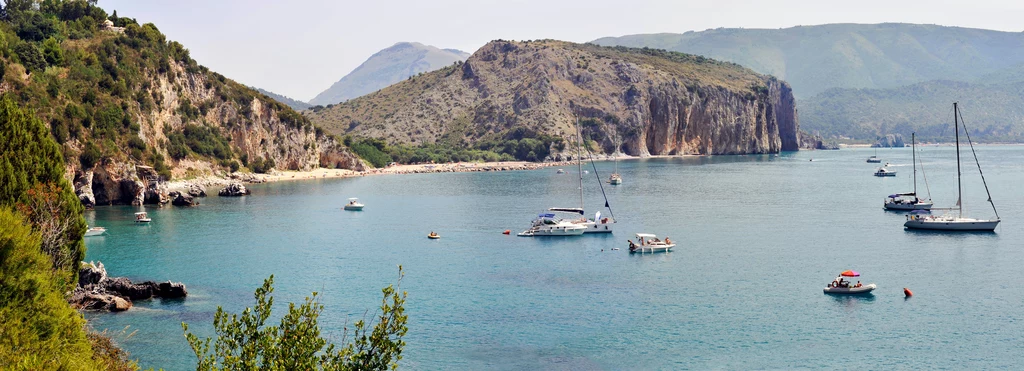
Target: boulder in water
pixel 182 199
pixel 233 190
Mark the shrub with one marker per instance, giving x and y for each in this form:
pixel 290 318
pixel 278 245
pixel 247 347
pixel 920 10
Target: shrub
pixel 30 57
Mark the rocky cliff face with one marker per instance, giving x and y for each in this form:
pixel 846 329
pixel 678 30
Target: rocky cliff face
pixel 255 127
pixel 638 101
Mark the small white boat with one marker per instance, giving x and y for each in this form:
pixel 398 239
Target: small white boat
pixel 142 217
pixel 841 286
pixel 649 243
pixel 874 160
pixel 615 179
pixel 560 171
pixel 548 225
pixel 884 171
pixel 354 205
pixel 95 231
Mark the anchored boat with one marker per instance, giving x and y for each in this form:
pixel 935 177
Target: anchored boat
pixel 909 200
pixel 649 243
pixel 354 205
pixel 957 222
pixel 842 286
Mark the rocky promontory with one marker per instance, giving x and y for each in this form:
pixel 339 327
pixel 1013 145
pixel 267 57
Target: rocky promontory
pixel 97 291
pixel 636 101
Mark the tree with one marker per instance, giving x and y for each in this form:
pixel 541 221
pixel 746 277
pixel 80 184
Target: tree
pixel 245 343
pixel 30 57
pixel 29 158
pixel 52 52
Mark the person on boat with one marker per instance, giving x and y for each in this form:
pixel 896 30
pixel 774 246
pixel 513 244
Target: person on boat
pixel 667 241
pixel 840 282
pixel 858 284
pixel 632 246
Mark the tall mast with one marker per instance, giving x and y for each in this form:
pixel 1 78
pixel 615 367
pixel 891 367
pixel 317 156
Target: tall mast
pixel 913 147
pixel 579 157
pixel 959 188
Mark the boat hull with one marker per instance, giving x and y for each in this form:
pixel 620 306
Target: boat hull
pixel 865 289
pixel 652 249
pixel 598 227
pixel 354 207
pixel 97 231
pixel 953 225
pixel 885 174
pixel 908 206
pixel 146 220
pixel 874 161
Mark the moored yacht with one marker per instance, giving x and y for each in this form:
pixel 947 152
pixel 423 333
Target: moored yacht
pixel 884 171
pixel 958 222
pixel 548 224
pixel 142 217
pixel 909 200
pixel 95 231
pixel 354 205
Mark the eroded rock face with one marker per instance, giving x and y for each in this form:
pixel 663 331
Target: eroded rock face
pixel 117 183
pixel 890 140
pixel 182 199
pixel 233 190
pixel 195 190
pixel 83 188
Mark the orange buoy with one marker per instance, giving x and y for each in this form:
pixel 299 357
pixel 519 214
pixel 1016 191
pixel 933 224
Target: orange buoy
pixel 507 232
pixel 907 292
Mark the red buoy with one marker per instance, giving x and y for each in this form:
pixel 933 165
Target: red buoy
pixel 506 232
pixel 907 292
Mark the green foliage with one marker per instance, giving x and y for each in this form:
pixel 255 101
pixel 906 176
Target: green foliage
pixel 52 52
pixel 373 150
pixel 245 342
pixel 38 330
pixel 30 57
pixel 201 140
pixel 30 159
pixel 260 166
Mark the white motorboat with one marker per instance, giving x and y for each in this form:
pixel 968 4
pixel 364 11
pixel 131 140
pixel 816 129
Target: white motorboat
pixel 874 160
pixel 909 200
pixel 548 224
pixel 649 243
pixel 95 231
pixel 841 286
pixel 560 171
pixel 615 179
pixel 958 222
pixel 353 205
pixel 884 171
pixel 142 217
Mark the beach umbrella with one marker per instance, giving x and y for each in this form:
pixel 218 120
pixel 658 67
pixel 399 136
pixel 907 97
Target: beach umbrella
pixel 850 274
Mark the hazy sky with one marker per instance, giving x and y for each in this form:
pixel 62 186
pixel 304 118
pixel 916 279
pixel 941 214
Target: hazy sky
pixel 300 47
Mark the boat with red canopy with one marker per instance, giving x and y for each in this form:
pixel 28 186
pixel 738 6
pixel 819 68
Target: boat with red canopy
pixel 842 286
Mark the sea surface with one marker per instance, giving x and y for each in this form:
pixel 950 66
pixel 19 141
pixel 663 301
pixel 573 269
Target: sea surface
pixel 758 238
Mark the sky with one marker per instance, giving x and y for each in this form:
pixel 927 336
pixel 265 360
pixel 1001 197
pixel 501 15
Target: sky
pixel 298 48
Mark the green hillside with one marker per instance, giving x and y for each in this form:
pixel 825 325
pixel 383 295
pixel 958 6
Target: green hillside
pixel 994 112
pixel 817 58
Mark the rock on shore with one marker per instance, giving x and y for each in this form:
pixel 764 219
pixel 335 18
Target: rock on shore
pixel 234 190
pixel 97 291
pixel 182 199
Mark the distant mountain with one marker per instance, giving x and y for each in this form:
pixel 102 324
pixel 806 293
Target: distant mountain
pixel 294 104
pixel 387 67
pixel 817 58
pixel 992 112
pixel 520 99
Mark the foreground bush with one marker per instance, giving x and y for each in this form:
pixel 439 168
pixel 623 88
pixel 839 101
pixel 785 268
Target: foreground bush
pixel 246 343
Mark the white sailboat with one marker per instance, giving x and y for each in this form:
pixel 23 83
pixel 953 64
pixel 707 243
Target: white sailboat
pixel 548 224
pixel 615 178
pixel 874 158
pixel 909 200
pixel 957 222
pixel 598 224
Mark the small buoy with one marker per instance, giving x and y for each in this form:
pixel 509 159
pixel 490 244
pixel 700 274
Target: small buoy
pixel 907 292
pixel 507 232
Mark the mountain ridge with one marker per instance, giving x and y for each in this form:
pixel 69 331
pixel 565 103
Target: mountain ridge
pixel 386 67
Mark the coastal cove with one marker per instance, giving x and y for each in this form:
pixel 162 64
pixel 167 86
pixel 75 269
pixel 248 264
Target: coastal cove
pixel 758 237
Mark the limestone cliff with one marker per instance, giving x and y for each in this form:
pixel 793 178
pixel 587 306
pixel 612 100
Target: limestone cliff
pixel 640 101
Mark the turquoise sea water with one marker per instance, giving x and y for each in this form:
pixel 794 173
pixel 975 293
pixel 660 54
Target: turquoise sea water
pixel 759 237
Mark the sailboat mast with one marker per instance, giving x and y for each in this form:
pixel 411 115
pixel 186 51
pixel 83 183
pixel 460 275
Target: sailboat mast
pixel 579 158
pixel 913 147
pixel 959 188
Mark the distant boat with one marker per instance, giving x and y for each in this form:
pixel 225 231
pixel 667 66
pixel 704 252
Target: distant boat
pixel 909 200
pixel 560 171
pixel 354 205
pixel 615 179
pixel 433 236
pixel 649 243
pixel 95 231
pixel 958 222
pixel 142 217
pixel 874 158
pixel 884 171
